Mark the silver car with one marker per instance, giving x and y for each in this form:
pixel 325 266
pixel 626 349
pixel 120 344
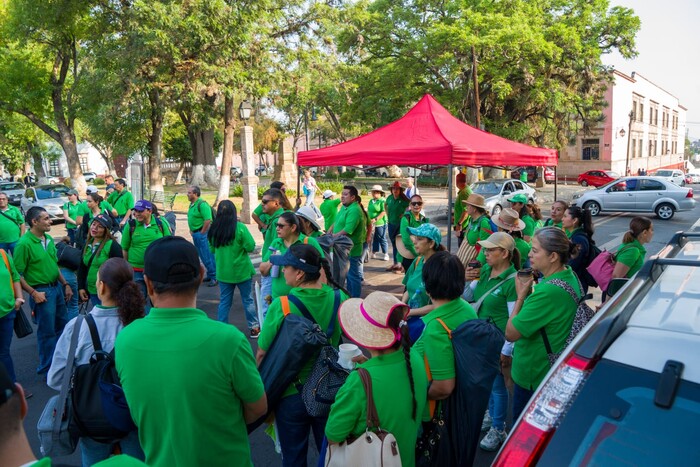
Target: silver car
pixel 49 197
pixel 637 194
pixel 497 191
pixel 13 190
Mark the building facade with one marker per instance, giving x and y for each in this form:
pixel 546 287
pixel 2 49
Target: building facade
pixel 644 128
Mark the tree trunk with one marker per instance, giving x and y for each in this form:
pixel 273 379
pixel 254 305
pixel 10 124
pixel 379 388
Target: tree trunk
pixel 211 176
pixel 155 143
pixel 36 160
pixel 227 158
pixel 180 173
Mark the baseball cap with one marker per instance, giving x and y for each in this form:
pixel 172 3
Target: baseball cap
pixel 72 192
pixel 428 231
pixel 328 193
pixel 7 387
pixel 142 204
pixel 519 198
pixel 171 260
pixel 91 189
pixel 104 221
pixel 499 240
pixel 288 259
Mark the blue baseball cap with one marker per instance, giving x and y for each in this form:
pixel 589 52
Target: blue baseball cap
pixel 143 204
pixel 427 231
pixel 288 259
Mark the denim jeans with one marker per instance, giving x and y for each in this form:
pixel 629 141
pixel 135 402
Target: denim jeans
pixel 92 452
pixel 6 329
pixel 355 276
pixel 72 305
pixel 50 319
pixel 200 241
pixel 310 198
pixel 8 247
pixel 138 278
pixel 393 232
pixel 71 235
pixel 379 241
pixel 265 290
pixel 293 424
pixel 521 397
pixel 226 299
pixel 498 403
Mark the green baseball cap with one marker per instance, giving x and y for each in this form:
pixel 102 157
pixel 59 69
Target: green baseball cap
pixel 519 198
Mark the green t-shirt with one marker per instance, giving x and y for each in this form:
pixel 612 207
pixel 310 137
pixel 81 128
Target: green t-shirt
pixel 529 229
pixel 550 307
pixel 88 215
pixel 523 248
pixel 479 229
pixel 198 213
pixel 391 390
pixel 632 255
pixel 233 264
pixel 264 218
pixel 7 279
pixel 319 302
pixel 329 209
pixel 35 259
pixel 462 195
pixel 352 220
pixel 495 305
pixel 375 207
pixel 135 245
pixel 122 202
pixel 270 234
pixel 186 378
pixel 395 208
pixel 10 229
pixel 120 460
pixel 550 223
pixel 279 285
pixel 413 281
pixel 99 259
pixel 74 211
pixel 408 220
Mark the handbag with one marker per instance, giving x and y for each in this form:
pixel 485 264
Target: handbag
pixel 54 436
pixel 22 326
pixel 69 257
pixel 370 449
pixel 602 267
pixel 429 447
pixel 467 253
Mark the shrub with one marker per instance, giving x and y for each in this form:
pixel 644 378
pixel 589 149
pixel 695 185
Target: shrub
pixel 348 175
pixel 99 181
pixel 335 187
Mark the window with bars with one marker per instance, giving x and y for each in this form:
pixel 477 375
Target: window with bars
pixel 590 149
pixel 54 168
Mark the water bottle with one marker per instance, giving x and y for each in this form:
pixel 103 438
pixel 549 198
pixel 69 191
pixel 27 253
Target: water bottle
pixel 415 300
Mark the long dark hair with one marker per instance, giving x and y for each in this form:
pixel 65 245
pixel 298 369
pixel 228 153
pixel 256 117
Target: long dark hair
pixel 584 219
pixel 88 242
pixel 637 226
pixel 311 256
pixel 397 323
pixel 223 230
pixel 118 275
pixel 97 199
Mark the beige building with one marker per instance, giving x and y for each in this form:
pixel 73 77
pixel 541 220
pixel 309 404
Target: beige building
pixel 652 138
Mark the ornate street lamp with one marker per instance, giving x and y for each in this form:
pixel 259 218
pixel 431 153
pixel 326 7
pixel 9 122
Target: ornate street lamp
pixel 245 110
pixel 249 180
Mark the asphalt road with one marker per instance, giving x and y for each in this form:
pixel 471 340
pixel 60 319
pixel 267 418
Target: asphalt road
pixel 609 231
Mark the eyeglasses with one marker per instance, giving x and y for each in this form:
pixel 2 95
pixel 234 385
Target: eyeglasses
pixel 281 226
pixel 416 203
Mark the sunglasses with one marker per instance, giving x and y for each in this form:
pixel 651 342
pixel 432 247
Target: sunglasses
pixel 282 226
pixel 416 203
pixel 265 201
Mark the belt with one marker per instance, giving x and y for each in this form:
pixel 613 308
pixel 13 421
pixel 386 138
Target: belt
pixel 197 231
pixel 45 286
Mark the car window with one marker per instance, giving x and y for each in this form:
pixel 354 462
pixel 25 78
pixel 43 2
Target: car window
pixel 486 189
pixel 619 186
pixel 613 174
pixel 595 173
pixel 651 185
pixel 518 185
pixel 51 192
pixel 11 186
pixel 508 187
pixel 663 173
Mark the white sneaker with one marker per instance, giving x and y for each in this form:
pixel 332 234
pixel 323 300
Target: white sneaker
pixel 386 257
pixel 493 439
pixel 376 255
pixel 486 424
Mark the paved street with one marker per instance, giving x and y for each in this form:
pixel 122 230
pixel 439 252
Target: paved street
pixel 609 231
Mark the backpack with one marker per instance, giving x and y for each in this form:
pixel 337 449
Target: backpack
pixel 89 418
pixel 211 208
pixel 583 315
pixel 169 217
pixel 593 252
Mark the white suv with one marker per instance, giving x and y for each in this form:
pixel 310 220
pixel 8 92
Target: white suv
pixel 676 176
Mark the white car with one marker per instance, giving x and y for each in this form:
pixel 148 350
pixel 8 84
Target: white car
pixel 497 191
pixel 676 176
pixel 49 197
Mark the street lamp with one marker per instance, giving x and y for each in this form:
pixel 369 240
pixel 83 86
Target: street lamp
pixel 249 180
pixel 244 110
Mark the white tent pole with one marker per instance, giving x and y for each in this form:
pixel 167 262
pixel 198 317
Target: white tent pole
pixel 449 207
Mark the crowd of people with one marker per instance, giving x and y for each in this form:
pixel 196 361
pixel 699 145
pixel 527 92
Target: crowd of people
pixel 192 383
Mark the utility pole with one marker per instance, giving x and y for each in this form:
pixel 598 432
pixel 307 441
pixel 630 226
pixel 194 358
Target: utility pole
pixel 629 138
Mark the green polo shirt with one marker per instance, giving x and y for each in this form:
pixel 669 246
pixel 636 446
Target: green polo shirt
pixel 413 281
pixel 36 263
pixel 270 234
pixel 435 344
pixel 233 264
pixel 523 248
pixel 631 254
pixel 529 229
pixel 375 207
pixel 279 285
pixel 550 307
pixel 135 245
pixel 10 229
pixel 319 302
pixel 395 208
pixel 186 378
pixel 99 259
pixel 462 195
pixel 352 220
pixel 550 223
pixel 391 390
pixel 122 202
pixel 105 208
pixel 495 305
pixel 7 279
pixel 198 213
pixel 329 209
pixel 409 220
pixel 258 211
pixel 74 211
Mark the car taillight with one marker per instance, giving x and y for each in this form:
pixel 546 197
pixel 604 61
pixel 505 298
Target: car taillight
pixel 544 413
pixel 690 193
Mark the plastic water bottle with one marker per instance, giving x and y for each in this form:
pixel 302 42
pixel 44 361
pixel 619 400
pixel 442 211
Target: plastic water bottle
pixel 415 301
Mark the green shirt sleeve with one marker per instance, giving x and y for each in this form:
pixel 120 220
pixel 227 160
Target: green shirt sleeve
pixel 352 220
pixel 126 236
pixel 245 377
pixel 347 411
pixel 628 255
pixel 205 210
pixel 536 312
pixel 439 352
pixel 273 321
pixel 529 229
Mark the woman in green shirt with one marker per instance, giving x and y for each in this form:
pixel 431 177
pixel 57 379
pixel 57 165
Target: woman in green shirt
pixel 10 302
pixel 630 255
pixel 376 210
pixel 309 222
pixel 509 221
pixel 557 213
pixel 479 227
pixel 71 211
pixel 231 243
pixel 519 204
pixel 396 205
pixel 413 218
pixel 399 383
pixel 99 247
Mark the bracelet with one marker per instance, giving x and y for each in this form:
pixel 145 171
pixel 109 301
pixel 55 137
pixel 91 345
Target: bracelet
pixel 31 294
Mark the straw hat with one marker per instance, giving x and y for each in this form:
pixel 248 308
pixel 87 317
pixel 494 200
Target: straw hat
pixel 377 188
pixel 499 240
pixel 509 219
pixel 475 200
pixel 365 321
pixel 403 251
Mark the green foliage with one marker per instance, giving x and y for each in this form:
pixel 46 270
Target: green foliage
pixel 98 181
pixel 348 175
pixel 335 187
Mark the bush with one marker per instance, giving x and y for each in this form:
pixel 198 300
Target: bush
pixel 335 187
pixel 99 181
pixel 348 175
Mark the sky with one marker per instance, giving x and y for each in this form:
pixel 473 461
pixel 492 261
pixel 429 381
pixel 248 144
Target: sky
pixel 668 44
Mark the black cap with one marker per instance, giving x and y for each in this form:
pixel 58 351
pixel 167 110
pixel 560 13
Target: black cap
pixel 103 220
pixel 171 252
pixel 7 387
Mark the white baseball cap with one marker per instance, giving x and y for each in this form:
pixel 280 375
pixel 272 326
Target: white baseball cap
pixel 328 193
pixel 91 189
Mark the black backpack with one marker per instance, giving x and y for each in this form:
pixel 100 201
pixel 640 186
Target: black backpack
pixel 93 409
pixel 593 252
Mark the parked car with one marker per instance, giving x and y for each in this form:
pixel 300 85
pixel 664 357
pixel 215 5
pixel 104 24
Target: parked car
pixel 693 178
pixel 13 190
pixel 597 177
pixel 627 389
pixel 236 171
pixel 637 194
pixel 676 176
pixel 49 197
pixel 496 192
pixel 89 176
pixel 532 174
pixel 262 170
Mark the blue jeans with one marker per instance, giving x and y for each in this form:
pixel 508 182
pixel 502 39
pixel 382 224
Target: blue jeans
pixel 393 232
pixel 71 235
pixel 265 290
pixel 355 276
pixel 138 278
pixel 72 305
pixel 50 319
pixel 200 241
pixel 6 328
pixel 226 299
pixel 310 198
pixel 8 247
pixel 293 424
pixel 498 403
pixel 93 452
pixel 521 397
pixel 379 241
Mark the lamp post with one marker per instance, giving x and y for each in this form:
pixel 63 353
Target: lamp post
pixel 629 138
pixel 249 180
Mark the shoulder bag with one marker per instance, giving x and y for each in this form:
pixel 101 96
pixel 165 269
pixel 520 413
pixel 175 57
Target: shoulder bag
pixel 373 448
pixel 602 267
pixel 21 324
pixel 479 302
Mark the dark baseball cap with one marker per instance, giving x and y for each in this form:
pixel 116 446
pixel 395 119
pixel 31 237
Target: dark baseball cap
pixel 103 220
pixel 288 259
pixel 171 260
pixel 7 387
pixel 142 205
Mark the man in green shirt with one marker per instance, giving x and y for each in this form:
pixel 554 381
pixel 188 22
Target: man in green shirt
pixel 396 206
pixel 122 201
pixel 36 261
pixel 199 219
pixel 352 222
pixel 376 210
pixel 190 381
pixel 461 219
pixel 11 224
pixel 272 208
pixel 329 209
